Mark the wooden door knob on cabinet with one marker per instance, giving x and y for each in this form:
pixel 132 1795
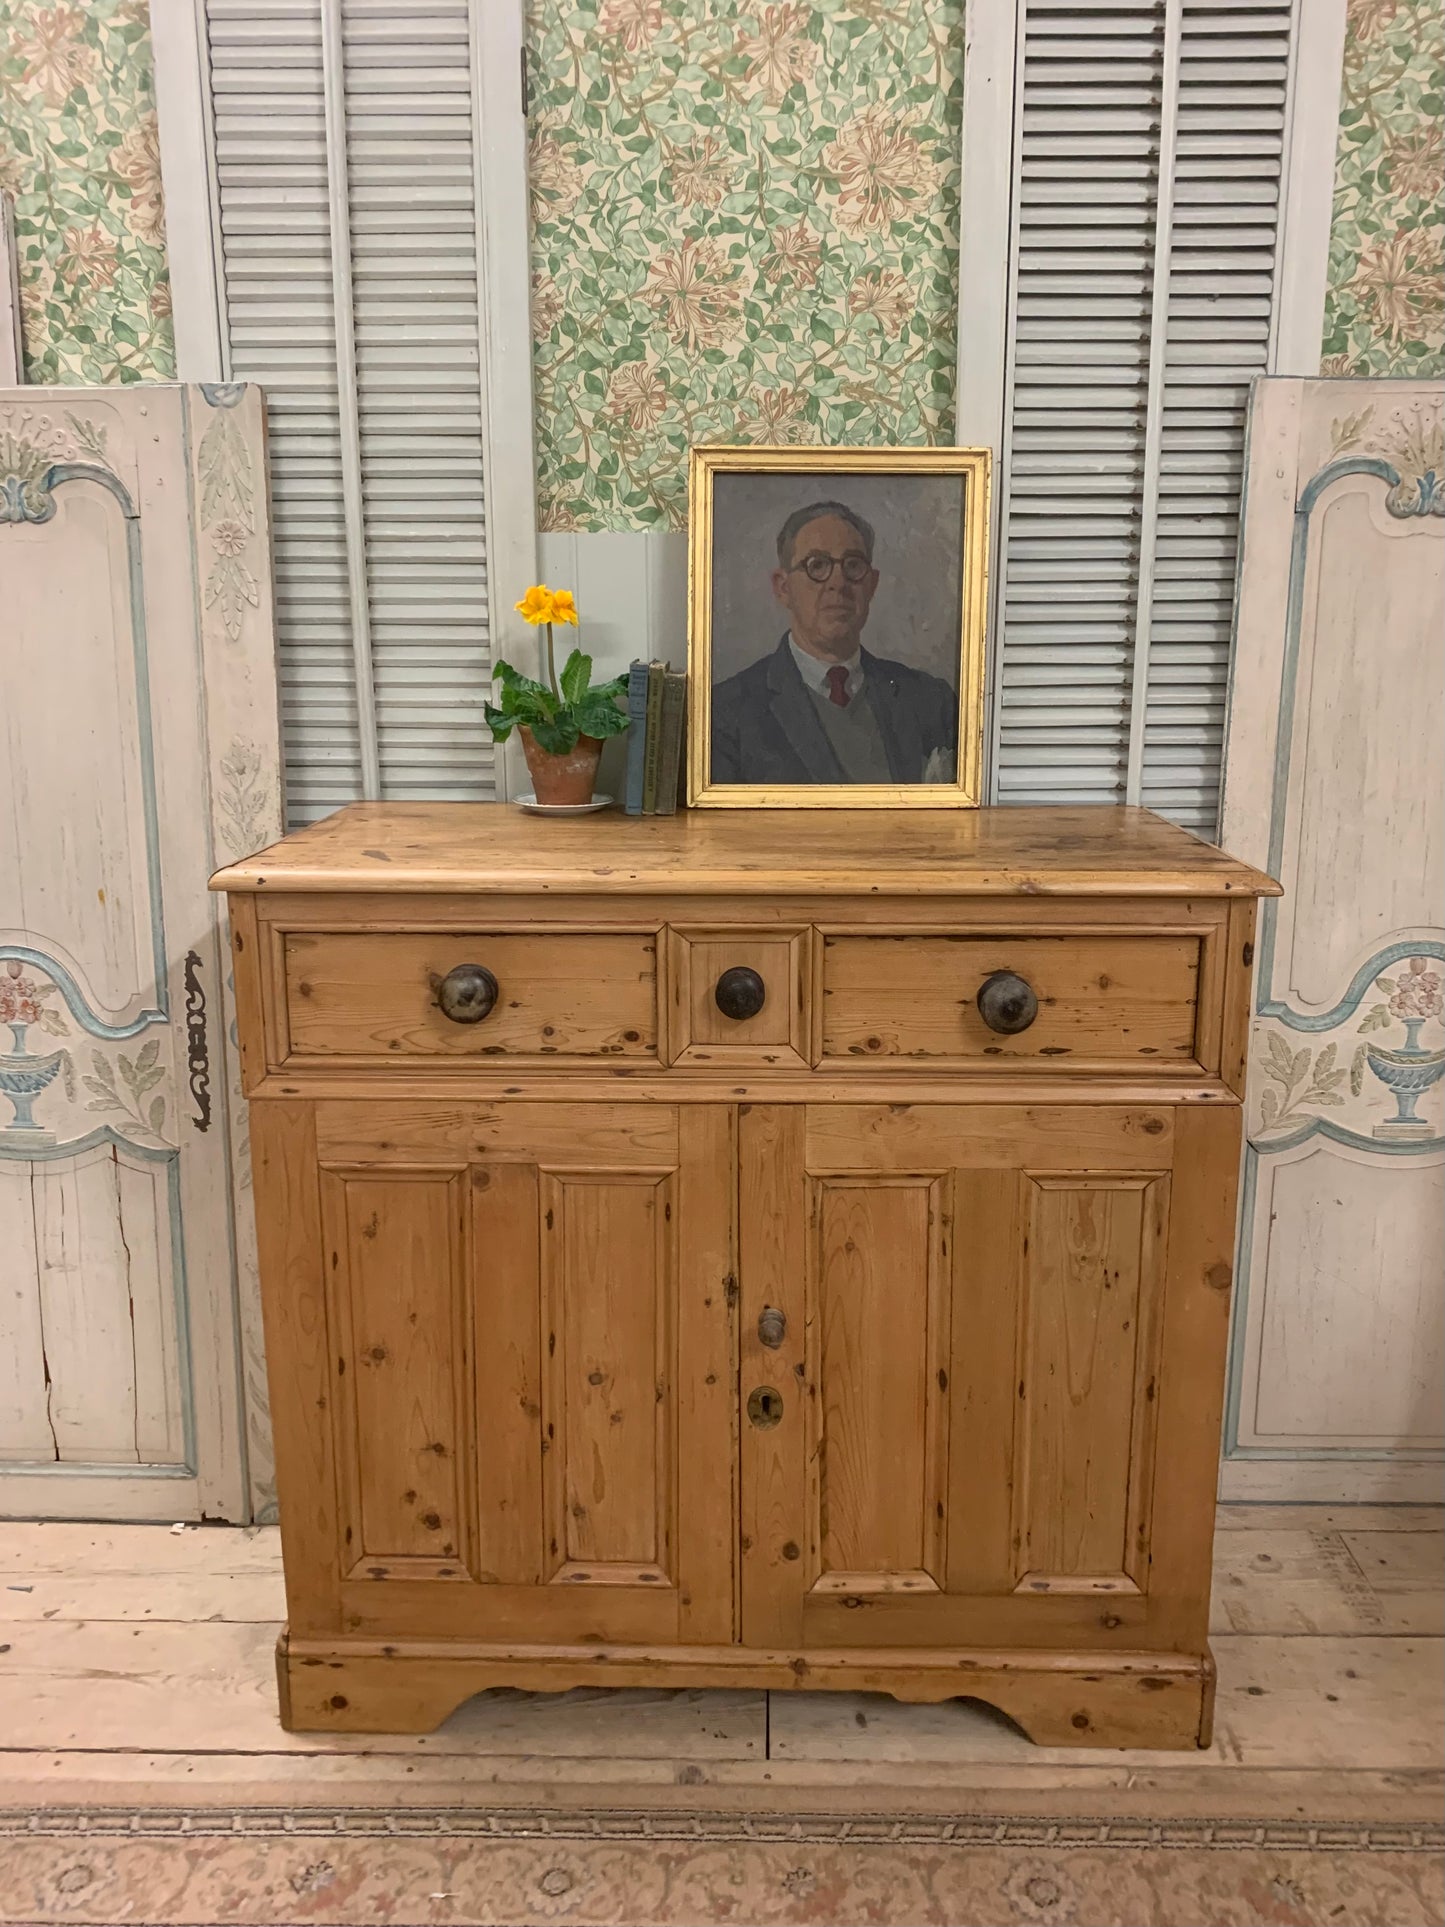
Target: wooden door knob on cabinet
pixel 1007 1003
pixel 467 993
pixel 740 993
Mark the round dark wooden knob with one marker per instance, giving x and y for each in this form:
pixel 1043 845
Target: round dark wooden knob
pixel 1006 1003
pixel 740 993
pixel 467 993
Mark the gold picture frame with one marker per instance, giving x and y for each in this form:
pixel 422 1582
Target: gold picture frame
pixel 706 465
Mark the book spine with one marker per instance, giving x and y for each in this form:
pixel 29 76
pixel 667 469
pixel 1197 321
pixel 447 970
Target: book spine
pixel 674 701
pixel 656 674
pixel 636 736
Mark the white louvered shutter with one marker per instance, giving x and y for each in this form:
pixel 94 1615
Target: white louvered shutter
pixel 1148 154
pixel 346 168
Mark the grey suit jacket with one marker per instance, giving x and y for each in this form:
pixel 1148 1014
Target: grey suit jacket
pixel 765 726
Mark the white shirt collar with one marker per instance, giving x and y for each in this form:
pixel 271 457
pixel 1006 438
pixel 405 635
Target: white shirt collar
pixel 814 670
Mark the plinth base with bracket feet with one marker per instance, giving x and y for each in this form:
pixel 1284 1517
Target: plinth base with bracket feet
pixel 1057 1698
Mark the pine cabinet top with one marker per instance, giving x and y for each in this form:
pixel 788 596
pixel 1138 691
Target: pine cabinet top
pixel 458 847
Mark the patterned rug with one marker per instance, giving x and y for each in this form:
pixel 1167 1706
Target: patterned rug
pixel 272 1867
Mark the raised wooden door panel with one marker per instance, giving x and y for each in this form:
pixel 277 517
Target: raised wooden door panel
pixel 1087 1295
pixel 964 1406
pixel 775 1032
pixel 528 1370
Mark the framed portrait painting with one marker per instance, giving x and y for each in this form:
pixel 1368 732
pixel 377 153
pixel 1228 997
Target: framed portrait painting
pixel 836 627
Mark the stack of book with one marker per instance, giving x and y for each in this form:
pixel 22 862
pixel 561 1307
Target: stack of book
pixel 656 705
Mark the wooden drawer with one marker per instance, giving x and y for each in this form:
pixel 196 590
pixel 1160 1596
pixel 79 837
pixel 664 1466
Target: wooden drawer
pixel 374 995
pixel 1103 1000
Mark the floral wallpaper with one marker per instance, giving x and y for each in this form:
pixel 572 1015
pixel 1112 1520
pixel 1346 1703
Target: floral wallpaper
pixel 745 227
pixel 745 221
pixel 78 151
pixel 1385 309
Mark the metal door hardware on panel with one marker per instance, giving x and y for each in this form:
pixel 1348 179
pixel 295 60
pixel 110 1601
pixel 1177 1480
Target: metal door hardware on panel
pixel 772 1327
pixel 765 1407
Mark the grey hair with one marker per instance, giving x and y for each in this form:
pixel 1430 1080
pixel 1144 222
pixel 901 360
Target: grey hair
pixel 800 518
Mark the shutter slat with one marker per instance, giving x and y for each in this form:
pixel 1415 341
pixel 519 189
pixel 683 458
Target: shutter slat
pixel 405 85
pixel 1078 413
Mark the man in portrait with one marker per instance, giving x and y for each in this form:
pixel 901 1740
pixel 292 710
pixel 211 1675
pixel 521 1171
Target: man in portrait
pixel 820 708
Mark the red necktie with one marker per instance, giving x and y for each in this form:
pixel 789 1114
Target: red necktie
pixel 838 686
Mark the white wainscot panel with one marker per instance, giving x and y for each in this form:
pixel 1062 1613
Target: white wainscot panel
pixel 1344 1347
pixel 1365 832
pixel 88 1291
pixel 72 848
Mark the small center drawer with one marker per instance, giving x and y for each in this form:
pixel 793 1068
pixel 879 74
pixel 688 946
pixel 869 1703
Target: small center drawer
pixel 376 995
pixel 1101 1000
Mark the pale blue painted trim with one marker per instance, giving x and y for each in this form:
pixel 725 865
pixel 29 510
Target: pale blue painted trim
pixel 1337 1134
pixel 180 1297
pixel 74 997
pixel 1289 673
pixel 1239 1312
pixel 1358 985
pixel 1351 1455
pixel 102 1134
pixel 140 649
pixel 1273 1007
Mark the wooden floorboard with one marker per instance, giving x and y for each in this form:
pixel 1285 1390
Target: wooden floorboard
pixel 136 1666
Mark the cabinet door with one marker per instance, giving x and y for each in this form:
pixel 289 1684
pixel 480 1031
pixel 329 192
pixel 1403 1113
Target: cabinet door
pixel 521 1426
pixel 993 1414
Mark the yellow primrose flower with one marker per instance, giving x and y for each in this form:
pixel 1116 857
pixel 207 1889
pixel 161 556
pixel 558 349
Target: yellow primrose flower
pixel 536 604
pixel 564 609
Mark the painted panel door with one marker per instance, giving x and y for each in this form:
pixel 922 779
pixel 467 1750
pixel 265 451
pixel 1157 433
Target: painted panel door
pixel 527 1342
pixel 1337 716
pixel 955 1352
pixel 138 749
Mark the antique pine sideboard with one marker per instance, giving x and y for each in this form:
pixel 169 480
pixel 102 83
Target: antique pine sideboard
pixel 747 1249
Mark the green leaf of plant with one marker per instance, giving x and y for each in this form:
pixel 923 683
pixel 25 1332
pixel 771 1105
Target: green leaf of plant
pixel 576 676
pixel 599 716
pixel 499 722
pixel 513 679
pixel 556 734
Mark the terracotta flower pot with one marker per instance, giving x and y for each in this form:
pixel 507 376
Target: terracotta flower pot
pixel 566 778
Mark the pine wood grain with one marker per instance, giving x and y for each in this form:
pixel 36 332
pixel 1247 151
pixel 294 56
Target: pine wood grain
pixel 368 996
pixel 877 1385
pixel 1102 1000
pixel 1084 1405
pixel 772 1247
pixel 393 1243
pixel 490 846
pixel 505 1266
pixel 710 1358
pixel 299 1350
